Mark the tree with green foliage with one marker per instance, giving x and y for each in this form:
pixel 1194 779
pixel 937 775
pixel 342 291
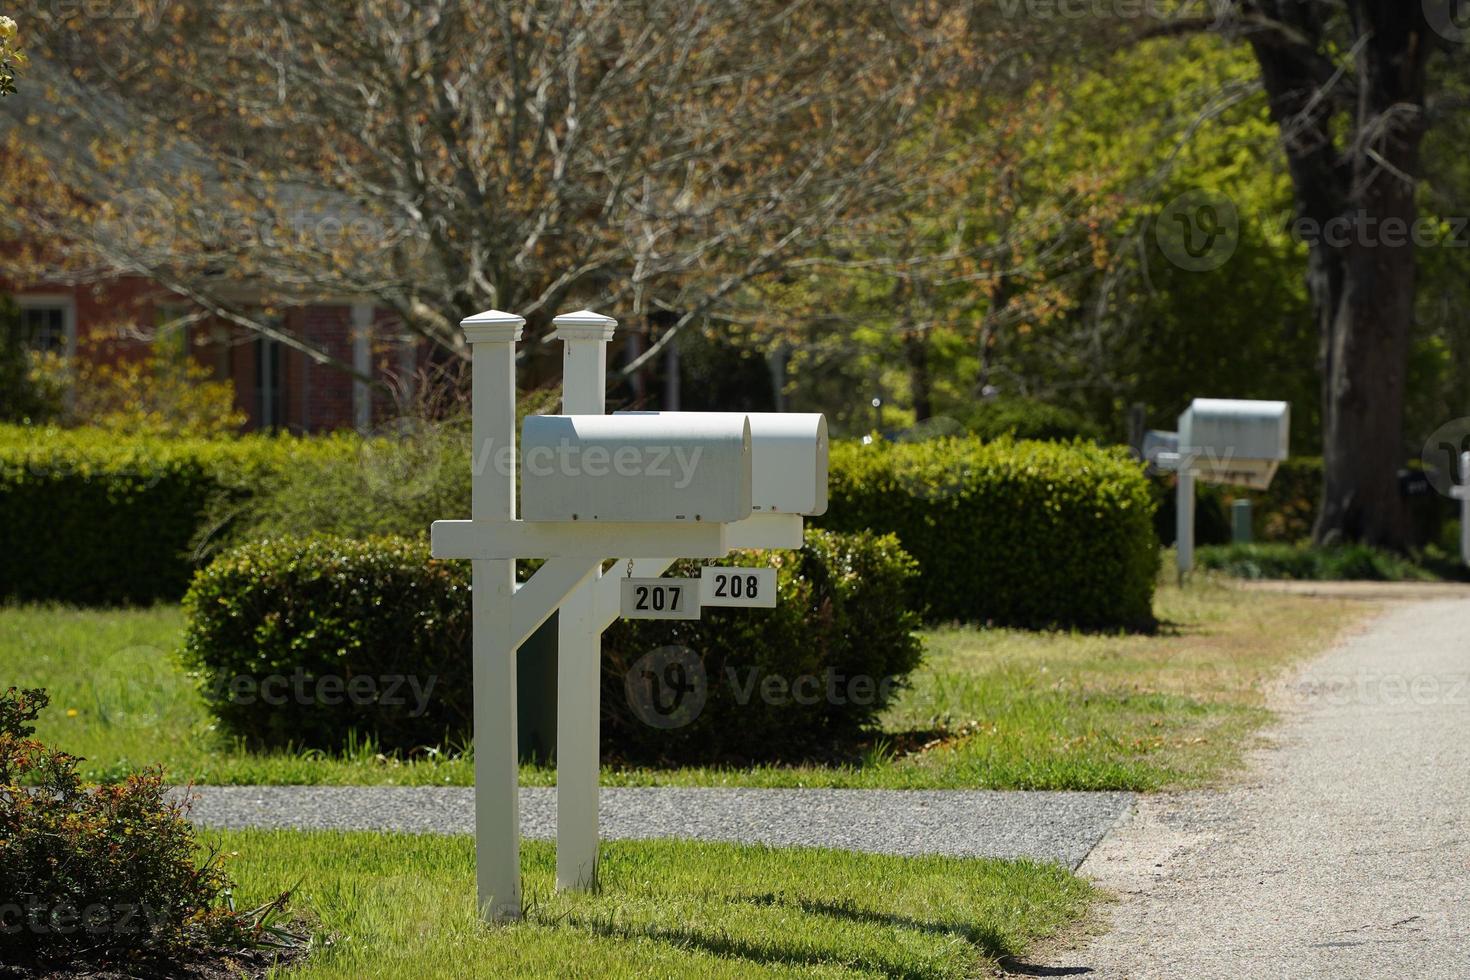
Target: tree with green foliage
pixel 1348 83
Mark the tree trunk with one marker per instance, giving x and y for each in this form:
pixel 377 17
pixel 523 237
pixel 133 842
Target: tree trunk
pixel 1367 354
pixel 916 352
pixel 1356 205
pixel 1368 347
pixel 1000 299
pixel 776 361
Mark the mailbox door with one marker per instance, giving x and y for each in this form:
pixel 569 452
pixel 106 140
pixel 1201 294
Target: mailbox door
pixel 630 468
pixel 788 459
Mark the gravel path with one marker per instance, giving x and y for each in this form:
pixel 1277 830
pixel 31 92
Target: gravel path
pixel 1047 826
pixel 1346 852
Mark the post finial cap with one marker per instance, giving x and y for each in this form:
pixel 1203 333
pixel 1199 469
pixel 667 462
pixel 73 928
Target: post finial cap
pixel 492 326
pixel 583 325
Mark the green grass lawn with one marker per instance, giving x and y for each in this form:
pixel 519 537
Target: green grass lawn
pixel 403 905
pixel 994 708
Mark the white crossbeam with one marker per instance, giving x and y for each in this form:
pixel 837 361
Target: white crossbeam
pixel 575 539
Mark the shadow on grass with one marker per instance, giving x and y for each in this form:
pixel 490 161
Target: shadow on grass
pixel 1017 968
pixel 987 940
pixel 772 952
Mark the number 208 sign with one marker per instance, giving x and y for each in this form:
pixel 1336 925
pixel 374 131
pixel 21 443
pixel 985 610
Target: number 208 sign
pixel 753 587
pixel 682 598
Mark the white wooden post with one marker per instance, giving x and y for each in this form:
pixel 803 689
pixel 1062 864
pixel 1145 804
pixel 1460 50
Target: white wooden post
pixel 492 336
pixel 362 363
pixel 1184 517
pixel 585 336
pixel 1465 508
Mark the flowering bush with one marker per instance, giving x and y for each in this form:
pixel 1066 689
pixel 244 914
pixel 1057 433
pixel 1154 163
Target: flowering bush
pixel 153 395
pixel 108 874
pixel 11 56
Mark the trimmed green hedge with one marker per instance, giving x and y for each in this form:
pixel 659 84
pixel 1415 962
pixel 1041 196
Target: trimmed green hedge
pixel 1023 534
pixel 1026 418
pixel 1351 562
pixel 91 518
pixel 302 641
pixel 1016 533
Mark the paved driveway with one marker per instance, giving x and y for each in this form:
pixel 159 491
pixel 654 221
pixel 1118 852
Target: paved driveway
pixel 1346 853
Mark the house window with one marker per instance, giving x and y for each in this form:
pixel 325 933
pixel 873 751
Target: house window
pixel 45 327
pixel 268 383
pixel 48 323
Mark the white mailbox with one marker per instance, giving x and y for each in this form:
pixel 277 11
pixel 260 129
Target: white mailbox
pixel 788 458
pixel 1234 441
pixel 689 466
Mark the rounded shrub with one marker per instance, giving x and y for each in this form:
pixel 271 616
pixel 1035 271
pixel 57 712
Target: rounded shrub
pixel 302 641
pixel 305 641
pixel 794 682
pixel 1015 533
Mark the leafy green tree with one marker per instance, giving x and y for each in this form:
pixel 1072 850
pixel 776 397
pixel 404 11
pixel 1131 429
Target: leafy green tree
pixel 1348 83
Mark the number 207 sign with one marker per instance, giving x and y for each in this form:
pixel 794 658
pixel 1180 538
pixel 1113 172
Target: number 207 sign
pixel 660 598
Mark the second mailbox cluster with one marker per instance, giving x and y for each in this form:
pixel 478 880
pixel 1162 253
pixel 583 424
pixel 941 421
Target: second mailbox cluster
pixel 1232 440
pixel 1220 440
pixel 717 467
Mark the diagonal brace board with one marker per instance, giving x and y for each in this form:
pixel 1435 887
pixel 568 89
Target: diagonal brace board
pixel 539 596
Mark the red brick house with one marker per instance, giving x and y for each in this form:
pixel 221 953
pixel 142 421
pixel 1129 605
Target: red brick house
pixel 277 387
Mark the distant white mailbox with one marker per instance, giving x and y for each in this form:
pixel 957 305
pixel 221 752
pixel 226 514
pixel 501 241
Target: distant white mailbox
pixel 690 466
pixel 788 458
pixel 1235 441
pixel 1220 440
